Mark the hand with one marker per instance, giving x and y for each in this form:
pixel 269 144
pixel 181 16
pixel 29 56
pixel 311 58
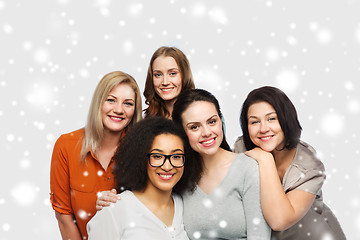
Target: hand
pixel 259 155
pixel 105 198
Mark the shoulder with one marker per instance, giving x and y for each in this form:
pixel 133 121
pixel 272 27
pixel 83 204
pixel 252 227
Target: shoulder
pixel 126 197
pixel 306 158
pixel 177 198
pixel 178 201
pixel 245 168
pixel 239 145
pixel 244 162
pixel 70 138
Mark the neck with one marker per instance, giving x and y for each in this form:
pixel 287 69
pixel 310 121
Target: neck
pixel 283 156
pixel 111 139
pixel 154 198
pixel 215 160
pixel 170 106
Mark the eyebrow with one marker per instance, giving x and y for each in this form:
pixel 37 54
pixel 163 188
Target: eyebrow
pixel 159 150
pixel 215 115
pixel 171 69
pixel 265 115
pixel 128 99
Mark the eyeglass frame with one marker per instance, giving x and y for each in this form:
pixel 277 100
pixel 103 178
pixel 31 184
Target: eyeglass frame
pixel 167 157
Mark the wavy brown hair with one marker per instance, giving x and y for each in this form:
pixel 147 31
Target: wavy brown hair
pixel 156 105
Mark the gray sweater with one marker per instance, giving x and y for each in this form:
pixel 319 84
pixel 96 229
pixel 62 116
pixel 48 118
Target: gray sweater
pixel 232 210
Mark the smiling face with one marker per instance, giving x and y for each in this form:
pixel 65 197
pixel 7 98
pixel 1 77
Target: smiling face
pixel 166 78
pixel 264 127
pixel 118 108
pixel 164 178
pixel 203 127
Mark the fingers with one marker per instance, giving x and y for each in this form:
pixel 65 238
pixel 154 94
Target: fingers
pixel 105 198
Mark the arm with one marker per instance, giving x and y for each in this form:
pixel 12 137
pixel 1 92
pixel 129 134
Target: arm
pixel 67 226
pixel 256 225
pixel 60 192
pixel 281 210
pixel 104 199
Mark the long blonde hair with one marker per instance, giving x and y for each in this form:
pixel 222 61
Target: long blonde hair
pixel 94 129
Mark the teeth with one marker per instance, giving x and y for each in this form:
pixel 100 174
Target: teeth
pixel 116 118
pixel 166 176
pixel 166 89
pixel 265 138
pixel 209 141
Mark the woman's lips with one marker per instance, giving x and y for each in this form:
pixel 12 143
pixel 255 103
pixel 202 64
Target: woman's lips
pixel 166 176
pixel 209 142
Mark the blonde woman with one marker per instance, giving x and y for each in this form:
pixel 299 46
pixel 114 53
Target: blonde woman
pixel 81 163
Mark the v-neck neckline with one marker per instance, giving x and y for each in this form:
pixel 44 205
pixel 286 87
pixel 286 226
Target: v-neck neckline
pixel 222 181
pixel 156 218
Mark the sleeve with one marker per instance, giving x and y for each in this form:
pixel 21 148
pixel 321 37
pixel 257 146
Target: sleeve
pixel 239 146
pixel 256 225
pixel 307 180
pixel 103 226
pixel 60 179
pixel 307 173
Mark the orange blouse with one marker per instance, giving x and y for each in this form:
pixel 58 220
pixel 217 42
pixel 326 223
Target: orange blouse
pixel 74 184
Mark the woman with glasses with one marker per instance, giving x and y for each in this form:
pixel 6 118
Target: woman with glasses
pixel 153 164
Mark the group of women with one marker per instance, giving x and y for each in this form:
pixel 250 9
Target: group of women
pixel 174 176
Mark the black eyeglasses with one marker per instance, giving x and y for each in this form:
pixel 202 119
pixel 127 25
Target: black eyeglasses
pixel 158 159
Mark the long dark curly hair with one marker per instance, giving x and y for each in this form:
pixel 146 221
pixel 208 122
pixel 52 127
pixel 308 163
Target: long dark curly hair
pixel 131 160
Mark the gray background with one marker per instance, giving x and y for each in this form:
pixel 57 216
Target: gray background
pixel 53 53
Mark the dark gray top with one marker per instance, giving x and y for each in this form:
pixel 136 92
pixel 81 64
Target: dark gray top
pixel 306 173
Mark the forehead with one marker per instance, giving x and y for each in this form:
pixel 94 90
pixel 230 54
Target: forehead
pixel 260 109
pixel 167 141
pixel 123 90
pixel 199 111
pixel 164 62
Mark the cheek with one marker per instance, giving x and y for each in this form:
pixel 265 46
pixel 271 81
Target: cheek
pixel 192 138
pixel 156 82
pixel 180 172
pixel 104 108
pixel 252 132
pixel 130 112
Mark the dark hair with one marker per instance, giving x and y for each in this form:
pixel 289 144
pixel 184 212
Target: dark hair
pixel 131 160
pixel 187 97
pixel 156 103
pixel 285 111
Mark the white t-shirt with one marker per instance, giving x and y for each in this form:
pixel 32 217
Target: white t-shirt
pixel 130 219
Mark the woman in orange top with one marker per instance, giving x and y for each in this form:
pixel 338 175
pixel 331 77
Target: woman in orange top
pixel 81 164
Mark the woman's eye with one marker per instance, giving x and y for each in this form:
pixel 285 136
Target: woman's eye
pixel 272 119
pixel 254 122
pixel 129 104
pixel 110 100
pixel 156 156
pixel 212 121
pixel 193 127
pixel 176 156
pixel 173 74
pixel 157 74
